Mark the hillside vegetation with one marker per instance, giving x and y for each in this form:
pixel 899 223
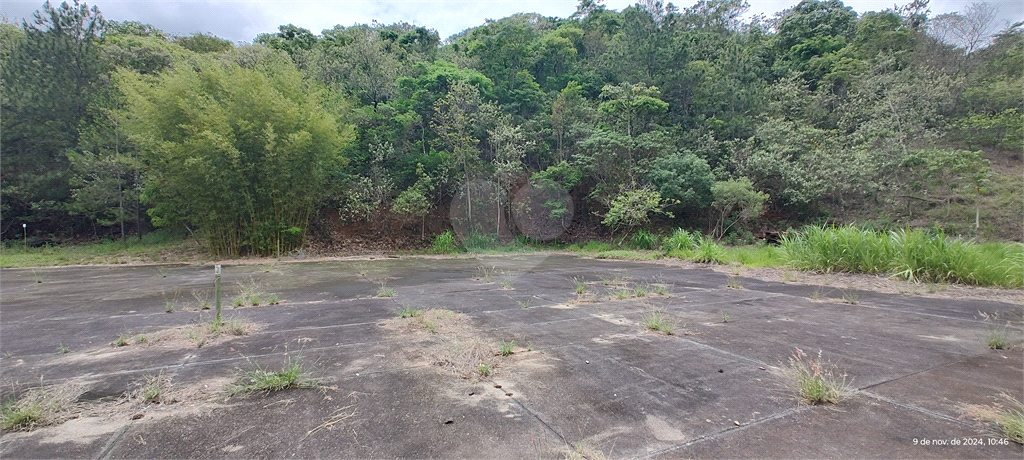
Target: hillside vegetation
pixel 599 125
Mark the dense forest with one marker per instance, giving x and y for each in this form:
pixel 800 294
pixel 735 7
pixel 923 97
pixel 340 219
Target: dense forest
pixel 595 125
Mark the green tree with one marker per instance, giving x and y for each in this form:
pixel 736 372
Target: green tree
pixel 683 178
pixel 633 208
pixel 735 201
pixel 50 78
pixel 241 154
pixel 632 107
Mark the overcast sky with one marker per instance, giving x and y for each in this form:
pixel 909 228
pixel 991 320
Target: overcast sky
pixel 241 21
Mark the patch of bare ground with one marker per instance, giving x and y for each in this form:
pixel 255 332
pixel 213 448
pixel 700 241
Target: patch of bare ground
pixel 189 336
pixel 448 340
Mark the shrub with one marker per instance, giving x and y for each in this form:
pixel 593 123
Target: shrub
pixel 643 239
pixel 680 240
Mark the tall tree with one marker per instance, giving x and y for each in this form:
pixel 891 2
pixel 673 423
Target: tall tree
pixel 50 78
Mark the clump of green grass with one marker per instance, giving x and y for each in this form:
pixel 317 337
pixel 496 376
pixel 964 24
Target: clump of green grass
pixel 202 299
pixel 680 241
pixel 644 239
pixel 235 327
pixel 250 292
pixel 410 312
pixel 660 290
pixel 62 349
pixel 580 285
pixel 641 291
pixel 506 285
pixel 260 379
pixel 622 294
pixel 122 340
pixel 445 243
pixel 485 370
pixel 657 322
pixel 725 316
pixel 709 252
pixel 1006 420
pixel 909 254
pixel 385 291
pixel 816 381
pixel 733 282
pixel 507 347
pixel 39 407
pixel 153 389
pixel 997 337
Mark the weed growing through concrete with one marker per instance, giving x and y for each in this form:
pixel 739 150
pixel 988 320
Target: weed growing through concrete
pixel 524 304
pixel 725 317
pixel 202 299
pixel 169 306
pixel 485 370
pixel 660 290
pixel 430 326
pixel 580 285
pixel 1006 420
pixel 141 338
pixel 250 292
pixel 818 294
pixel 622 294
pixel 733 283
pixel 409 312
pixel 506 285
pixel 996 337
pixel 507 347
pixel 816 381
pixel 272 299
pixel 641 291
pixel 39 407
pixel 62 349
pixel 122 340
pixel 153 389
pixel 37 277
pixel 485 273
pixel 385 291
pixel 657 322
pixel 261 379
pixel 851 298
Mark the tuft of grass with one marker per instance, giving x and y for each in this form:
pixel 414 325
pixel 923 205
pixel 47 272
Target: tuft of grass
pixel 580 285
pixel 202 299
pixel 445 243
pixel 680 241
pixel 660 290
pixel 524 304
pixel 122 340
pixel 272 299
pixel 709 252
pixel 153 389
pixel 657 322
pixel 169 306
pixel 38 407
pixel 485 370
pixel 644 239
pixel 641 291
pixel 506 285
pixel 725 316
pixel 816 381
pixel 37 277
pixel 409 312
pixel 62 349
pixel 250 292
pixel 235 327
pixel 851 298
pixel 1006 420
pixel 622 294
pixel 385 291
pixel 507 347
pixel 430 326
pixel 733 283
pixel 260 379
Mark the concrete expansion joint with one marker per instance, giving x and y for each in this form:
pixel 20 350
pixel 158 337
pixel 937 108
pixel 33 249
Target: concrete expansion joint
pixel 917 409
pixel 717 434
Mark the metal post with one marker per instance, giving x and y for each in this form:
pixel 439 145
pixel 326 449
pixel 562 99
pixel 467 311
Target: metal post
pixel 24 229
pixel 216 272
